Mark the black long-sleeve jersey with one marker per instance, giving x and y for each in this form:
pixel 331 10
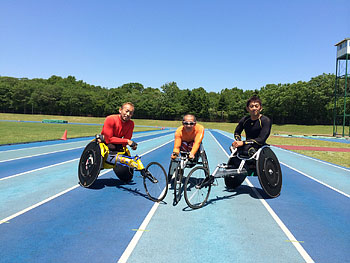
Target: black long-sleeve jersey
pixel 257 131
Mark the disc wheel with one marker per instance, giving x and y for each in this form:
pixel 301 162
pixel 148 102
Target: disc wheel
pixel 178 184
pixel 89 164
pixel 269 172
pixel 155 181
pixel 197 187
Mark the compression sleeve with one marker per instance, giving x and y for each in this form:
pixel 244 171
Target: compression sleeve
pixel 238 130
pixel 178 140
pixel 198 139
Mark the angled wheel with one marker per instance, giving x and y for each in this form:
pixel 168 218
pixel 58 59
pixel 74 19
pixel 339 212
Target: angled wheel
pixel 269 172
pixel 197 187
pixel 123 172
pixel 235 180
pixel 155 181
pixel 178 184
pixel 90 164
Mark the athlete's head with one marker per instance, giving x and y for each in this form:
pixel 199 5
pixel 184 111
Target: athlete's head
pixel 254 106
pixel 189 121
pixel 126 111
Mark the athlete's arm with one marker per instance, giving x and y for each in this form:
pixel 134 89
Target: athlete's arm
pixel 177 143
pixel 197 141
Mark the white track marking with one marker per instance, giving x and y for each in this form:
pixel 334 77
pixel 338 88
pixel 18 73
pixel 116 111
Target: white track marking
pixel 5 220
pixel 39 154
pixel 127 252
pixel 314 159
pixel 35 170
pixel 43 202
pixel 290 236
pixel 46 167
pixel 331 187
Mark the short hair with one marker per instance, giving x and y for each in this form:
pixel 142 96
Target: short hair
pixel 194 117
pixel 132 105
pixel 254 98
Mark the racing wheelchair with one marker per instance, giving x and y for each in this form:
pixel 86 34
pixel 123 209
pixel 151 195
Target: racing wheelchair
pixel 177 169
pixel 262 163
pixel 94 158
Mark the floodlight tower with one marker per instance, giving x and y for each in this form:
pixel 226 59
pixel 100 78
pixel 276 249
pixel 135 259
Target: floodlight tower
pixel 341 89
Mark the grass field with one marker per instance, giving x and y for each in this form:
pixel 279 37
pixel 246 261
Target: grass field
pixel 18 132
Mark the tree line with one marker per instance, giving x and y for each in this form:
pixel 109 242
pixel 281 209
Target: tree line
pixel 298 103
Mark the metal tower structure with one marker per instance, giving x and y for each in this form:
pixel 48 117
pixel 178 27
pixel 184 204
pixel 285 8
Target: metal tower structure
pixel 341 109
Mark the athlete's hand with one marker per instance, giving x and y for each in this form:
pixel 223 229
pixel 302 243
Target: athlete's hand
pixel 237 144
pixel 132 144
pixel 174 156
pixel 191 156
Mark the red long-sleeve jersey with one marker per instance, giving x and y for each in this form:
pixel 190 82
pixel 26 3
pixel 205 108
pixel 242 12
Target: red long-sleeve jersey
pixel 117 132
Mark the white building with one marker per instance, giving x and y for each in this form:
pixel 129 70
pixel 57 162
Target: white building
pixel 343 48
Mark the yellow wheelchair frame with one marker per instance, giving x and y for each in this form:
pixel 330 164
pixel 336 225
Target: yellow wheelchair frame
pixel 93 159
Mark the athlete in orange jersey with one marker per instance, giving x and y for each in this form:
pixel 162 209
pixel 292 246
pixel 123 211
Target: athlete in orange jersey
pixel 188 137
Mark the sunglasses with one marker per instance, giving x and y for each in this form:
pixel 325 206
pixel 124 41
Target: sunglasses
pixel 188 123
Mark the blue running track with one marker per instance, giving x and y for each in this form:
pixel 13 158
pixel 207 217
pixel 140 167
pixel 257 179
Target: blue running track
pixel 45 216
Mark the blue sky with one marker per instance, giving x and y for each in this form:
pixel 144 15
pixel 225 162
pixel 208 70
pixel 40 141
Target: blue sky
pixel 201 43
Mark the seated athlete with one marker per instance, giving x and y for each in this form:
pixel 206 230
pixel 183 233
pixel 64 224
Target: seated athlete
pixel 257 128
pixel 188 137
pixel 117 131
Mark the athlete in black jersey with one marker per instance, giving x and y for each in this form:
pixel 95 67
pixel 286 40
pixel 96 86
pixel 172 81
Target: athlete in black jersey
pixel 256 126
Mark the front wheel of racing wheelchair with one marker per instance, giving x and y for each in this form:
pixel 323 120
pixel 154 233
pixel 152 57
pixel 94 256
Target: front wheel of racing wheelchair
pixel 263 163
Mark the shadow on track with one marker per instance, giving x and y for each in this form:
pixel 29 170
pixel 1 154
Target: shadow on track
pixel 125 186
pixel 242 189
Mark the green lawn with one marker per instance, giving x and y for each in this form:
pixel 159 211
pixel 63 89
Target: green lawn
pixel 17 132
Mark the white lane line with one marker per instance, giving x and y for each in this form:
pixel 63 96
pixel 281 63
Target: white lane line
pixel 47 167
pixel 39 169
pixel 312 178
pixel 316 180
pixel 290 236
pixel 127 252
pixel 43 202
pixel 5 220
pixel 313 159
pixel 39 154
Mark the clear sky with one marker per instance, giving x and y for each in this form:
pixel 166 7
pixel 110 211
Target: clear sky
pixel 214 44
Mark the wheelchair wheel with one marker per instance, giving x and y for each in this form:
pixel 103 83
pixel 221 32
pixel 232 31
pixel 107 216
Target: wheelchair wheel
pixel 269 172
pixel 197 187
pixel 178 184
pixel 235 180
pixel 205 160
pixel 123 172
pixel 155 181
pixel 89 164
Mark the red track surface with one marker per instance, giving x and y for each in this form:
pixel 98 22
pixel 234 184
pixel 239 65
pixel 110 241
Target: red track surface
pixel 311 148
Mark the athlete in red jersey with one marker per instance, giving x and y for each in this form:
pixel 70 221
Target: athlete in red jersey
pixel 118 128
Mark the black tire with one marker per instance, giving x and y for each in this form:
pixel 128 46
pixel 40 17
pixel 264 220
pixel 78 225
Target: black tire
pixel 89 164
pixel 178 184
pixel 155 181
pixel 196 195
pixel 205 160
pixel 234 181
pixel 123 172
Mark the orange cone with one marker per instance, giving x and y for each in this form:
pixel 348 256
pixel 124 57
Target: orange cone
pixel 64 137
